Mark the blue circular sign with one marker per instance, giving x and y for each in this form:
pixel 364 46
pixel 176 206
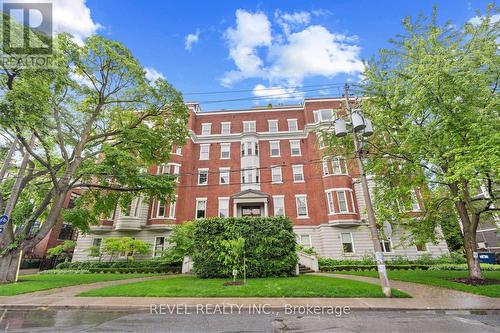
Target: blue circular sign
pixel 4 219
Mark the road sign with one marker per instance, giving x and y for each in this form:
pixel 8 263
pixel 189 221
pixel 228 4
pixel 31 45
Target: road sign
pixel 4 219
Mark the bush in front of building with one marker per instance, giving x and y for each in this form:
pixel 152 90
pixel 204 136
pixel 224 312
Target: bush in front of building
pixel 145 266
pixel 269 248
pixel 64 271
pixel 463 267
pixel 347 268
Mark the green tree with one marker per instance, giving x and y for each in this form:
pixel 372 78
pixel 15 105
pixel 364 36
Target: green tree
pixel 232 255
pixel 182 240
pixel 93 121
pixel 62 251
pixel 433 98
pixel 125 247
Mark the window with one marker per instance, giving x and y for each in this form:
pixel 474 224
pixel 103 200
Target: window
pixel 159 246
pixel 248 126
pixel 298 173
pixel 163 169
pixel 276 175
pixel 202 176
pixel 206 129
pixel 160 209
pixel 132 208
pixel 386 245
pixel 329 198
pixel 178 150
pixel 339 166
pixel 301 203
pixel 347 245
pixel 204 151
pixel 249 176
pixel 224 176
pixel 273 126
pixel 274 147
pixel 225 128
pixel 171 210
pixel 321 140
pixel 96 247
pixel 223 207
pixel 323 115
pixel 304 240
pixel 295 147
pixel 201 208
pixel 292 125
pixel 176 170
pixel 421 247
pixel 249 149
pixel 326 170
pixel 225 151
pixel 342 201
pixel 279 205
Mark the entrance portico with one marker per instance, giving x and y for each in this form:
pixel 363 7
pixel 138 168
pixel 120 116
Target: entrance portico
pixel 250 203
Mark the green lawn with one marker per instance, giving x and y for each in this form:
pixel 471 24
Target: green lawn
pixel 440 279
pixel 300 286
pixel 31 283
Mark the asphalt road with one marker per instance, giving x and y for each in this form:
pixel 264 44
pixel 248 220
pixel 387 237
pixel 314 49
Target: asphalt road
pixel 359 321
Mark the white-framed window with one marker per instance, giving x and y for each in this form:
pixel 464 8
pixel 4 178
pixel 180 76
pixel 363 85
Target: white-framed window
pixel 249 126
pixel 171 208
pixel 224 176
pixel 177 150
pixel 339 165
pixel 301 204
pixel 160 208
pixel 201 208
pixel 421 247
pixel 202 176
pixel 225 151
pixel 225 127
pixel 133 208
pixel 323 115
pixel 250 176
pixel 206 128
pixel 304 240
pixel 163 169
pixel 96 243
pixel 321 140
pixel 274 148
pixel 223 207
pixel 342 201
pixel 347 244
pixel 292 125
pixel 276 176
pixel 249 148
pixel 295 147
pixel 329 199
pixel 326 169
pixel 279 205
pixel 176 171
pixel 159 246
pixel 272 125
pixel 298 173
pixel 204 151
pixel 386 245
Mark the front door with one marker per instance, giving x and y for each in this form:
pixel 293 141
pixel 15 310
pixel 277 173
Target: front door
pixel 251 211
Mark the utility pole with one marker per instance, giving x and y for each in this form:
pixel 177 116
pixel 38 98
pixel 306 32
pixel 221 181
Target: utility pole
pixel 372 222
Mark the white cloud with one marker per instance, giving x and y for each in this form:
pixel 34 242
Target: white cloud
pixel 192 39
pixel 277 92
pixel 476 20
pixel 252 31
pixel 71 16
pixel 301 51
pixel 152 74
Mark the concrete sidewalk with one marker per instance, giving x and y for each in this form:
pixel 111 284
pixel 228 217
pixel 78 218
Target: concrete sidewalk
pixel 424 298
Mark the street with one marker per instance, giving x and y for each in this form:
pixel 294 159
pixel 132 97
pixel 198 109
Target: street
pixel 359 321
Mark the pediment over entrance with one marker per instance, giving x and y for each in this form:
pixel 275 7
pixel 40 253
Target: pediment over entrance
pixel 250 194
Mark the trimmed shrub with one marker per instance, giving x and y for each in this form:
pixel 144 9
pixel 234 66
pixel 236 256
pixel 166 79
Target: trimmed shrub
pixel 64 271
pixel 463 267
pixel 156 265
pixel 339 268
pixel 269 246
pixel 172 270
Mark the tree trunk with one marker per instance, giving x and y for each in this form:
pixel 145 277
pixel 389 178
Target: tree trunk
pixel 8 266
pixel 470 249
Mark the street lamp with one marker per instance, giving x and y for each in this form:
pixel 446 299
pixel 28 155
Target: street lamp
pixel 359 124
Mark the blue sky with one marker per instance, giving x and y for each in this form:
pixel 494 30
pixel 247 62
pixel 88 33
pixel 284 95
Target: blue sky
pixel 257 45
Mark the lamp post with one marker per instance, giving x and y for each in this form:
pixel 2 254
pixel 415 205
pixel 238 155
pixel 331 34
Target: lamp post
pixel 362 125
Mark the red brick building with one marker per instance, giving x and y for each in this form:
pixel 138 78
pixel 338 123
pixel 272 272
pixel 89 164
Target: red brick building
pixel 261 161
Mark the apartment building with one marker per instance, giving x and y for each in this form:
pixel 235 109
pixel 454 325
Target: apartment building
pixel 261 162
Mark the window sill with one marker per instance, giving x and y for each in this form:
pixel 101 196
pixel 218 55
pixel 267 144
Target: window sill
pixel 299 181
pixel 202 184
pixel 276 182
pixel 274 156
pixel 296 155
pixel 302 217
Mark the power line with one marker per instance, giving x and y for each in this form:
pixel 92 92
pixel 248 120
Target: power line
pixel 261 89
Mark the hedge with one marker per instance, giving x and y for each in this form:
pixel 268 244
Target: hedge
pixel 145 264
pixel 172 269
pixel 463 267
pixel 63 271
pixel 269 246
pixel 453 258
pixel 371 267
